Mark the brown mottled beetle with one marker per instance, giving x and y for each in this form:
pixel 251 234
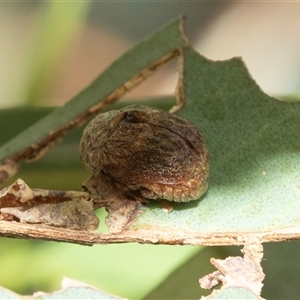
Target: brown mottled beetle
pixel 147 152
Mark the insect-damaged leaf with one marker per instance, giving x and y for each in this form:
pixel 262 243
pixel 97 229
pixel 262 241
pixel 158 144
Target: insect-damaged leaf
pixel 254 147
pixel 254 162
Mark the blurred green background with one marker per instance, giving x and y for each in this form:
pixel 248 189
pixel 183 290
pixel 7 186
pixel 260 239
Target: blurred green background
pixel 51 50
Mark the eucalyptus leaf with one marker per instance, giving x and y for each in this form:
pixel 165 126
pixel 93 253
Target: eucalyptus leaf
pixel 72 289
pixel 234 293
pixel 254 145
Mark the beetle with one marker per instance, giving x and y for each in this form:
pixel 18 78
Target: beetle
pixel 147 152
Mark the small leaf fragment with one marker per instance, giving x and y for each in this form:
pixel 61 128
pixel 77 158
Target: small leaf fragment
pixel 121 212
pixel 75 214
pixel 237 271
pixel 20 194
pixel 73 210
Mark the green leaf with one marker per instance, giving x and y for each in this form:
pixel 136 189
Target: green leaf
pixel 254 145
pixel 234 293
pixel 72 289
